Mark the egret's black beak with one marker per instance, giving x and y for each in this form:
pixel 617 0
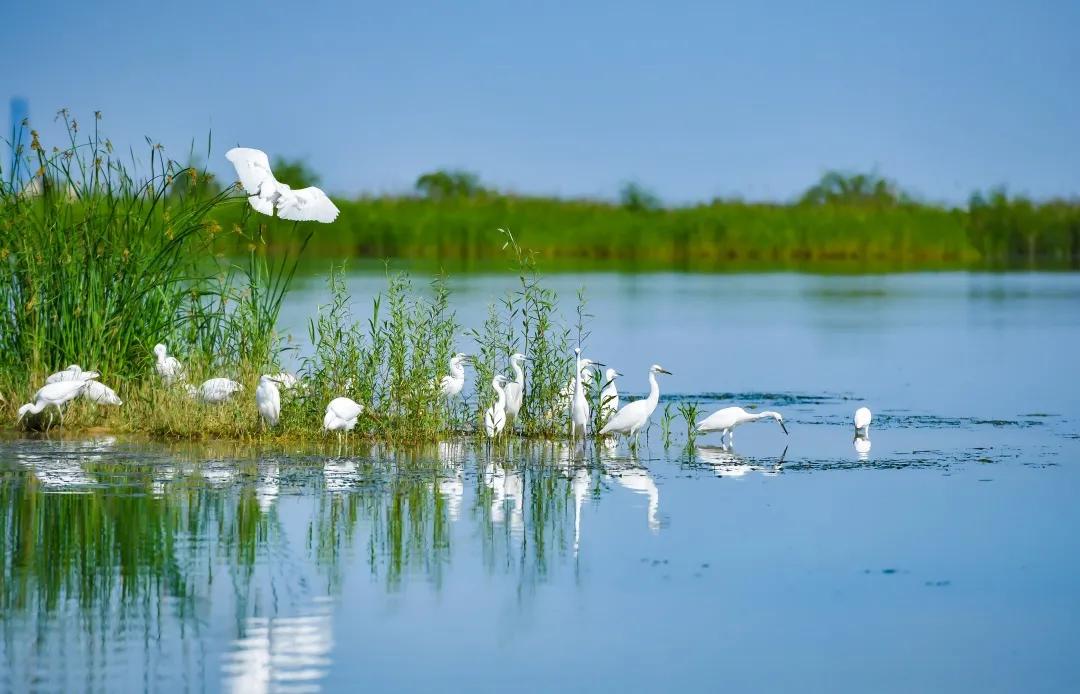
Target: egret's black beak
pixel 596 363
pixel 783 427
pixel 665 371
pixel 618 374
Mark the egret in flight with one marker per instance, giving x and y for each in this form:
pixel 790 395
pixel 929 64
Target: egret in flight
pixel 268 400
pixel 632 418
pixel 452 384
pixel 215 391
pixel 495 416
pixel 341 414
pixel 265 193
pixel 100 394
pixel 515 389
pixel 55 395
pixel 169 368
pixel 609 396
pixel 727 419
pixel 71 373
pixel 862 421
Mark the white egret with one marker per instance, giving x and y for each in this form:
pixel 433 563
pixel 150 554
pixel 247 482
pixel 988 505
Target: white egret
pixel 286 380
pixel 53 395
pixel 495 416
pixel 169 368
pixel 341 414
pixel 862 421
pixel 100 394
pixel 515 389
pixel 268 400
pixel 566 395
pixel 727 419
pixel 579 406
pixel 452 384
pixel 215 391
pixel 71 373
pixel 609 396
pixel 266 193
pixel 634 417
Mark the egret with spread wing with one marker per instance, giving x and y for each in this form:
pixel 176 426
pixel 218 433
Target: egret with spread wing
pixel 266 193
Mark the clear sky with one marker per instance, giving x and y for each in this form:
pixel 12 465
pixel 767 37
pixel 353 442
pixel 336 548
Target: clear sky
pixel 693 100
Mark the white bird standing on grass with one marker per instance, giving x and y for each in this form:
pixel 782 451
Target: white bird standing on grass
pixel 71 373
pixel 169 368
pixel 453 383
pixel 862 421
pixel 515 389
pixel 495 417
pixel 55 395
pixel 100 394
pixel 727 419
pixel 341 414
pixel 215 391
pixel 609 396
pixel 265 193
pixel 632 418
pixel 268 400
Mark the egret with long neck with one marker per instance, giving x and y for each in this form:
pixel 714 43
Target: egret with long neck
pixel 634 417
pixel 495 417
pixel 579 406
pixel 727 419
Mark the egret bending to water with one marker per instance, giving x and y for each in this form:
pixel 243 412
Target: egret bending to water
pixel 632 418
pixel 495 417
pixel 268 400
pixel 862 421
pixel 341 414
pixel 215 391
pixel 609 396
pixel 265 192
pixel 452 384
pixel 100 393
pixel 169 368
pixel 53 395
pixel 515 389
pixel 727 419
pixel 71 373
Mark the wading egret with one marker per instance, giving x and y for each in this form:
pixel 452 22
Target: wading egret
pixel 169 368
pixel 215 391
pixel 515 389
pixel 579 406
pixel 53 395
pixel 452 384
pixel 609 396
pixel 71 373
pixel 268 400
pixel 495 417
pixel 341 414
pixel 265 192
pixel 862 421
pixel 100 394
pixel 727 419
pixel 566 395
pixel 634 417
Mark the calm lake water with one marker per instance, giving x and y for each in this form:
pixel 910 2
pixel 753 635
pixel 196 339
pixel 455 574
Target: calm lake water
pixel 944 558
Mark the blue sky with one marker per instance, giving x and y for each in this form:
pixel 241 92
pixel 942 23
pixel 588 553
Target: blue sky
pixel 693 100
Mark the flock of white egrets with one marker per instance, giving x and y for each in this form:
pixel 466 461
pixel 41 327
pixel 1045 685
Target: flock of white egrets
pixel 269 196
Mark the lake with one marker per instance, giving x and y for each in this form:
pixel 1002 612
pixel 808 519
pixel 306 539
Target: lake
pixel 943 558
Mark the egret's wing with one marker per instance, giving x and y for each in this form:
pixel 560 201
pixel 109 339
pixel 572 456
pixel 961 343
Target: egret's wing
pixel 307 204
pixel 252 168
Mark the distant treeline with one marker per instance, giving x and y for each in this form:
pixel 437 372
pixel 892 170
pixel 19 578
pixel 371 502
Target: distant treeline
pixel 844 221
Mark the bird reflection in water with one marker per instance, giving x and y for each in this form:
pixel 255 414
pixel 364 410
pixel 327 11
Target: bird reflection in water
pixel 726 462
pixel 272 653
pixel 862 447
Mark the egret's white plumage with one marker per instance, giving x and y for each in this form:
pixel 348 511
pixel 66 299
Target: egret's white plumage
pixel 495 416
pixel 268 400
pixel 452 384
pixel 579 406
pixel 286 380
pixel 341 414
pixel 728 418
pixel 55 395
pixel 609 395
pixel 634 417
pixel 862 420
pixel 215 391
pixel 515 389
pixel 265 193
pixel 72 373
pixel 169 368
pixel 100 394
